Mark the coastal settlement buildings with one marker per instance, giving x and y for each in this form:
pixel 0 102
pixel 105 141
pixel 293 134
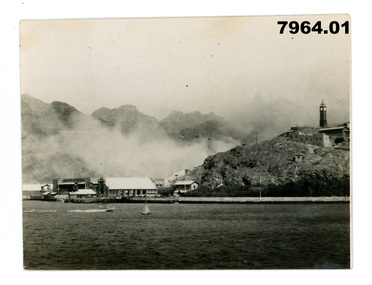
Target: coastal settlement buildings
pixel 92 189
pixel 112 189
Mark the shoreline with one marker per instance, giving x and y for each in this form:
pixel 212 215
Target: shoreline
pixel 242 200
pixel 207 200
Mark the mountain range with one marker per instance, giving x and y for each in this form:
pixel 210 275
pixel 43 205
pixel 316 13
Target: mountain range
pixel 45 125
pixel 60 141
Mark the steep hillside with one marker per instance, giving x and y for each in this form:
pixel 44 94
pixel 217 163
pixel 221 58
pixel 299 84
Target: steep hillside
pixel 38 118
pixel 67 115
pixel 41 119
pixel 273 162
pixel 46 130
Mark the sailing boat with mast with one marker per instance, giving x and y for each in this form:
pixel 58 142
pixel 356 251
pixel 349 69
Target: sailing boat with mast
pixel 146 210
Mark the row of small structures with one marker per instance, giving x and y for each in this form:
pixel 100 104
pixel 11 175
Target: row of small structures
pixel 93 189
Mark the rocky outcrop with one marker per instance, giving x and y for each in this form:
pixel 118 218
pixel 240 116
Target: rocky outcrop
pixel 272 162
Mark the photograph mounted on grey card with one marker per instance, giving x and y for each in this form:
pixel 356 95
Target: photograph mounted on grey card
pixel 186 143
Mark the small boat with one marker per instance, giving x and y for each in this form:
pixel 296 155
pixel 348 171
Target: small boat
pixel 146 210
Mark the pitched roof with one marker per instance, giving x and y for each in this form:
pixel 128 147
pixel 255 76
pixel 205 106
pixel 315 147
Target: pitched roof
pixel 130 183
pixel 186 182
pixel 333 128
pixel 83 192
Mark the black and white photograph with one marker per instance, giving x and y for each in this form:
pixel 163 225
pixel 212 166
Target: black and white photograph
pixel 186 143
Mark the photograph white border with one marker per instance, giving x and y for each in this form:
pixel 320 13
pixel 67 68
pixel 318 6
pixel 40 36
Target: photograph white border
pixel 11 12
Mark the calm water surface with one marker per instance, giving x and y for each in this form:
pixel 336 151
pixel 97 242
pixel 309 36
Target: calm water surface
pixel 186 236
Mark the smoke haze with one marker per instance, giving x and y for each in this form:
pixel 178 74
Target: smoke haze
pixel 107 152
pixel 261 82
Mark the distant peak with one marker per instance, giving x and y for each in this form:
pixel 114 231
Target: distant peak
pixel 62 107
pixel 127 107
pixel 59 104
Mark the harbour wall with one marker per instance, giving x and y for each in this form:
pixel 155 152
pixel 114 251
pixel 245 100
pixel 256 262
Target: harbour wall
pixel 226 200
pixel 246 200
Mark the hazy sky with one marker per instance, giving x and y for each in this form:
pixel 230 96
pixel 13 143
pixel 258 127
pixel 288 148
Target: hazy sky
pixel 241 68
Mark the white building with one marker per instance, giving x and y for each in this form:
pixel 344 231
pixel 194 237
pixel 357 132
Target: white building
pixel 185 186
pixel 82 194
pixel 130 187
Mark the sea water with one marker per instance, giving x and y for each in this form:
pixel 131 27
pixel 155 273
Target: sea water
pixel 186 236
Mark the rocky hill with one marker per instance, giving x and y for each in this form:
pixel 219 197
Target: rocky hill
pixel 41 119
pixel 273 162
pixel 38 118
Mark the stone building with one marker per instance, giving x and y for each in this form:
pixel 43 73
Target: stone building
pixel 337 134
pixel 319 139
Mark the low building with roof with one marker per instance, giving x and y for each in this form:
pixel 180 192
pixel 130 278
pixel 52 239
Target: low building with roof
pixel 120 187
pixel 82 195
pixel 66 185
pixel 338 134
pixel 185 186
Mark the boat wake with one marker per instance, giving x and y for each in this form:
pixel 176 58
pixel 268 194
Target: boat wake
pixel 91 210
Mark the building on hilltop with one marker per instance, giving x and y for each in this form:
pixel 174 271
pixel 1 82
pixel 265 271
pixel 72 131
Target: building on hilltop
pixel 337 135
pixel 323 136
pixel 319 139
